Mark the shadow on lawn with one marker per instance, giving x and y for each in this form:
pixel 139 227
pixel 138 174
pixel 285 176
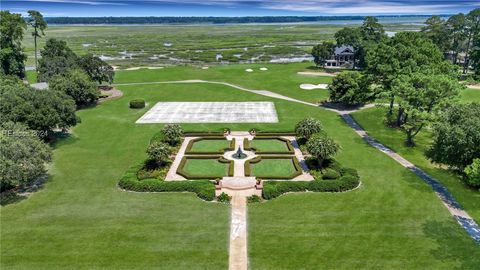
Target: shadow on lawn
pixel 452 243
pixel 21 193
pixel 7 198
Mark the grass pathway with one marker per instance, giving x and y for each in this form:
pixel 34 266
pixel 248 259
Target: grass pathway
pixel 462 217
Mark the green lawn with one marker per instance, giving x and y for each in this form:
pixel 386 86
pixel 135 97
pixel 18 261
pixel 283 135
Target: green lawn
pixel 210 145
pixel 280 78
pixel 269 145
pixel 81 220
pixel 371 121
pixel 470 95
pixel 206 167
pixel 31 76
pixel 273 167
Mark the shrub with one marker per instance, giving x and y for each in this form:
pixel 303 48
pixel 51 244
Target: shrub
pixel 137 103
pixel 159 152
pixel 254 199
pixel 349 171
pixel 322 147
pixel 307 127
pixel 273 189
pixel 204 189
pixel 22 156
pixel 330 174
pixel 224 198
pixel 172 134
pixel 472 173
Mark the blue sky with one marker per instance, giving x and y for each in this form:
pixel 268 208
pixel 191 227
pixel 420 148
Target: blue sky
pixel 237 7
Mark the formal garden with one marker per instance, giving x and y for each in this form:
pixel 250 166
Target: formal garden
pixel 317 171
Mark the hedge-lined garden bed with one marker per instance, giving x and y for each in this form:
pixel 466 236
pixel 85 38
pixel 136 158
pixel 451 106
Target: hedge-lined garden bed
pixel 348 180
pixel 203 188
pixel 269 145
pixel 274 169
pixel 192 167
pixel 209 146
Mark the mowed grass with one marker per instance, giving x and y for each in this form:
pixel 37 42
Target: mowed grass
pixel 273 167
pixel 210 145
pixel 470 95
pixel 269 145
pixel 81 220
pixel 372 121
pixel 279 78
pixel 206 167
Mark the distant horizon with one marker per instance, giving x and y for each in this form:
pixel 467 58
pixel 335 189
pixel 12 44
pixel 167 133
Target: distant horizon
pixel 267 16
pixel 237 8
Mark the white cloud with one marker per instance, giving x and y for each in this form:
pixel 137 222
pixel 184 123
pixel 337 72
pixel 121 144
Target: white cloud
pixel 92 3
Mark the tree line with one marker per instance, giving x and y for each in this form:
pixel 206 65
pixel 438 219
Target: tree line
pixel 31 118
pixel 417 75
pixel 206 20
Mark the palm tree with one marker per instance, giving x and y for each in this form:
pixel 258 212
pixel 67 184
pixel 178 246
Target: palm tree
pixel 321 147
pixel 35 20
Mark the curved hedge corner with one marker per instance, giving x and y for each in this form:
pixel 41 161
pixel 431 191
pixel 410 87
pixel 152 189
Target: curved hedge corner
pixel 247 145
pixel 189 151
pixel 137 103
pixel 296 165
pixel 221 159
pixel 204 189
pixel 349 180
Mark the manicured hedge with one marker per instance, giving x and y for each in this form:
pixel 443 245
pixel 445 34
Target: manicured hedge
pixel 247 145
pixel 137 103
pixel 221 159
pixel 203 134
pixel 188 150
pixel 330 174
pixel 348 181
pixel 204 189
pixel 260 134
pixel 296 164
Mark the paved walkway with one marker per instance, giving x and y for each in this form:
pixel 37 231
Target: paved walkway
pixel 172 172
pixel 238 259
pixel 462 217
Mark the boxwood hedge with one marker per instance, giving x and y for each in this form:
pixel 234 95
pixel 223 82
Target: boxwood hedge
pixel 181 167
pixel 203 188
pixel 137 103
pixel 257 159
pixel 189 149
pixel 247 145
pixel 348 181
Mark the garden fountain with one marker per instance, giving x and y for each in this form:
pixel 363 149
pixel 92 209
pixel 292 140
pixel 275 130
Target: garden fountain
pixel 239 154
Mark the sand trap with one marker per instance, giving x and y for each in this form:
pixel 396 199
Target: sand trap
pixel 205 67
pixel 263 69
pixel 324 74
pixel 137 68
pixel 308 86
pixel 211 112
pixel 249 70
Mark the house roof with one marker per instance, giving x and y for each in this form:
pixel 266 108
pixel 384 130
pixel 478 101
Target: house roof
pixel 344 49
